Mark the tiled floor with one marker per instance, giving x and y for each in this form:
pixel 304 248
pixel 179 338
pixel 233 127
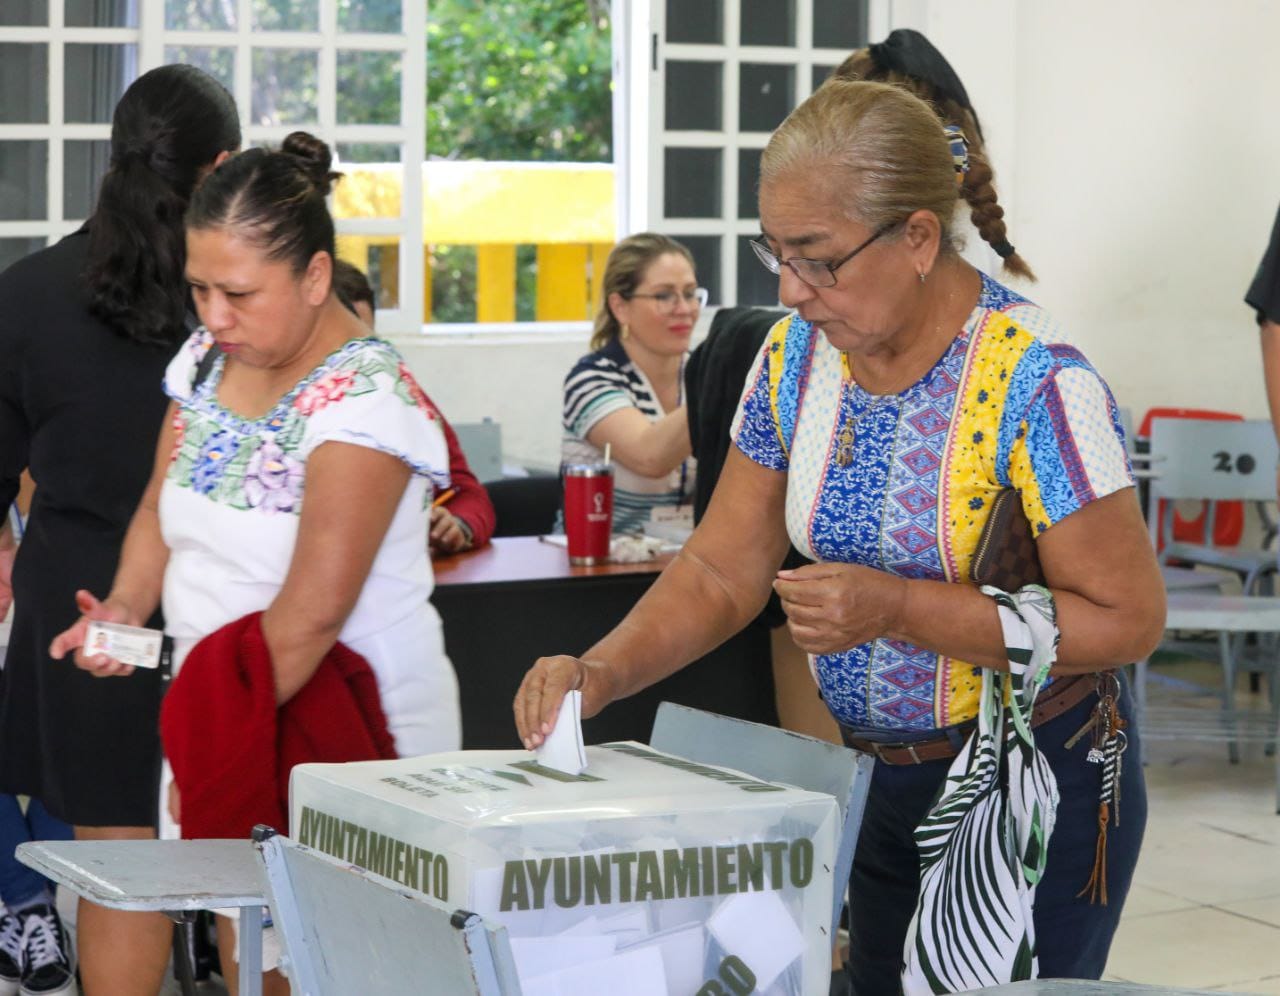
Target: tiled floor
pixel 1204 911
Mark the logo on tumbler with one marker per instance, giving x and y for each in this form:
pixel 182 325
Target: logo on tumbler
pixel 598 501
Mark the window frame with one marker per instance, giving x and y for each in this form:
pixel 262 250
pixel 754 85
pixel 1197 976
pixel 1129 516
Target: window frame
pixel 649 139
pixel 151 37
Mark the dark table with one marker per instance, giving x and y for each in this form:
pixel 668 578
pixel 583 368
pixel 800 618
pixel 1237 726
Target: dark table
pixel 518 599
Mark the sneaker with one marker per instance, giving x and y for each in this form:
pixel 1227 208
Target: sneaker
pixel 10 954
pixel 46 948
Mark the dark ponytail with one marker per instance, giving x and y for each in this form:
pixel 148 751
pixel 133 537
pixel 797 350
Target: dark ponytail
pixel 273 200
pixel 169 125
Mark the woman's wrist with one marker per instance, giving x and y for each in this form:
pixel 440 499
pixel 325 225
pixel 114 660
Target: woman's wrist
pixel 126 608
pixel 599 686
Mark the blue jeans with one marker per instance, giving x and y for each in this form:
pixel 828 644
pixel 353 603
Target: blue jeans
pixel 1073 935
pixel 18 883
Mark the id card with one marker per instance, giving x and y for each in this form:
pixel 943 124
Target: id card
pixel 132 645
pixel 677 516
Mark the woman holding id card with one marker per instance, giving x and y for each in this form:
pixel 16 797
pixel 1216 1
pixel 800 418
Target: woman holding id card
pixel 284 391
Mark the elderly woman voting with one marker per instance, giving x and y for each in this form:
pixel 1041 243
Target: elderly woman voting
pixel 880 423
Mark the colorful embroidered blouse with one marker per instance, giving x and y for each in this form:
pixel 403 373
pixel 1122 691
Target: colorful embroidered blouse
pixel 1009 404
pixel 235 487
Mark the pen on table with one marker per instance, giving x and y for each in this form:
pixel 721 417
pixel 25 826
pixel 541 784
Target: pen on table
pixel 443 498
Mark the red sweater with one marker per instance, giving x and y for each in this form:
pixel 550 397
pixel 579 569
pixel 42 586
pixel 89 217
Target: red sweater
pixel 232 749
pixel 470 501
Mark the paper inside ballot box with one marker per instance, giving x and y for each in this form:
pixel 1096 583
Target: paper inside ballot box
pixel 645 859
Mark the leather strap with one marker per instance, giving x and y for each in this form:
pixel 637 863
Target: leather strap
pixel 1063 694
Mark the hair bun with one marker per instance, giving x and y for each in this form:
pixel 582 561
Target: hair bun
pixel 314 157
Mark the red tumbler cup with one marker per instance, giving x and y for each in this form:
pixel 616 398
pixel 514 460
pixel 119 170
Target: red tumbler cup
pixel 588 511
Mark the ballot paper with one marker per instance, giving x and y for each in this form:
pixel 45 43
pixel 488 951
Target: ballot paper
pixel 563 749
pixel 760 930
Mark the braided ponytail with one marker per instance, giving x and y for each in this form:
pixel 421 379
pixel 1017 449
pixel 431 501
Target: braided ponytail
pixel 986 213
pixel 978 188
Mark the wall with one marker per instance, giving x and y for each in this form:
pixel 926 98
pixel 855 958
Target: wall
pixel 1136 155
pixel 1138 163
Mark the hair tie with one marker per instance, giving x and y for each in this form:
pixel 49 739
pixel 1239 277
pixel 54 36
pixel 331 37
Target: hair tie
pixel 1003 248
pixel 959 150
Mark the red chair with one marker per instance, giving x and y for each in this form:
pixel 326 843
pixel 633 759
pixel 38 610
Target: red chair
pixel 1228 522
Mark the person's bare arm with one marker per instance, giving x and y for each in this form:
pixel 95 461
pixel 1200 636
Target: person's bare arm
pixel 1269 333
pixel 1098 562
pixel 714 587
pixel 650 449
pixel 341 529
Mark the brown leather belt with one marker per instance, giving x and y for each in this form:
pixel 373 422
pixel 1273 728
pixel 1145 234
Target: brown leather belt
pixel 1064 693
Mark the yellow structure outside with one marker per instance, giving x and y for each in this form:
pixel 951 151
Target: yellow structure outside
pixel 566 210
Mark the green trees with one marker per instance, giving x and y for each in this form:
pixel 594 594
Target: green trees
pixel 519 80
pixel 513 80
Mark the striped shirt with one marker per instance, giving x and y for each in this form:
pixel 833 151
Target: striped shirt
pixel 600 384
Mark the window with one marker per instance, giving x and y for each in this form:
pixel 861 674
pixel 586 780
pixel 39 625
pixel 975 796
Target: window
pixel 722 74
pixel 313 64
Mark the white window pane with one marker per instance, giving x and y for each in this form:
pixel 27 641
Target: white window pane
pixel 83 163
pixel 24 82
pixel 286 15
pixel 839 24
pixel 693 96
pixel 101 13
pixel 220 63
pixel 94 78
pixel 24 13
pixel 696 21
pixel 768 22
pixel 200 15
pixel 284 86
pixel 24 168
pixel 368 87
pixel 369 15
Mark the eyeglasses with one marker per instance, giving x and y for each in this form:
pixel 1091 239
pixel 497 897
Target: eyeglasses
pixel 814 272
pixel 665 301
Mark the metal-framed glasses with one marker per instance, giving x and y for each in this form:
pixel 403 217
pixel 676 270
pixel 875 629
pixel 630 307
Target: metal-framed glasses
pixel 666 301
pixel 814 272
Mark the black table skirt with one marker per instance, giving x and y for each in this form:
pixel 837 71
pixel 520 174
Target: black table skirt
pixel 494 632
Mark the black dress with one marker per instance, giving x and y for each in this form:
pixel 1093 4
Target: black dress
pixel 81 406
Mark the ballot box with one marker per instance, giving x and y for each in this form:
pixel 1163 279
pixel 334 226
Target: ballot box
pixel 645 874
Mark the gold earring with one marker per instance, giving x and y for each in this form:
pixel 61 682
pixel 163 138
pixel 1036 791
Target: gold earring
pixel 626 331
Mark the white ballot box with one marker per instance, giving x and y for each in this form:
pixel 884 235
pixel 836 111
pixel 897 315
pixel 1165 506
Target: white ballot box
pixel 647 873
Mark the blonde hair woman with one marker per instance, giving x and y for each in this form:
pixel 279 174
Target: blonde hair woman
pixel 627 393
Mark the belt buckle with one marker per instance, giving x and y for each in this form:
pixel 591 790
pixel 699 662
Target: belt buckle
pixel 910 748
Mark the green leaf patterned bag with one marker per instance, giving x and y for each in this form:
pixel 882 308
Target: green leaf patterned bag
pixel 984 843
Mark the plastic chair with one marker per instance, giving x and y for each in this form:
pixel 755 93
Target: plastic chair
pixel 525 506
pixel 1227 525
pixel 1216 461
pixel 346 930
pixel 481 444
pixel 775 755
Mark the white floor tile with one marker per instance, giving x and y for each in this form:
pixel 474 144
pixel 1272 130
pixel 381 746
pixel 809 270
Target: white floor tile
pixel 1195 948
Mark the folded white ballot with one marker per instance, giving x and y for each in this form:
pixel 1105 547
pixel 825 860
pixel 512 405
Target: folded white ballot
pixel 563 749
pixel 760 930
pixel 633 973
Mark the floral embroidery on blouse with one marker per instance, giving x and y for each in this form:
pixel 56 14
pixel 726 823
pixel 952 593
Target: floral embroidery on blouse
pixel 258 463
